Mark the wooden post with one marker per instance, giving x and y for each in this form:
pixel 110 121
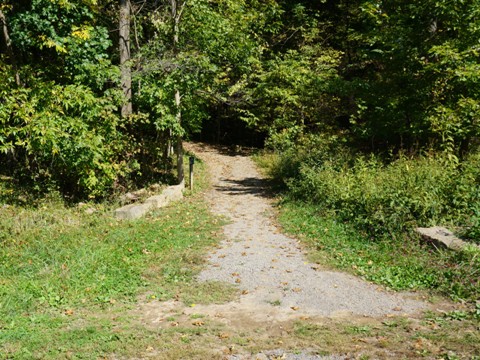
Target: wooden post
pixel 192 161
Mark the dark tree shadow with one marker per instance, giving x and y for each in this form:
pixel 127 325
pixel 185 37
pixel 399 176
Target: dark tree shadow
pixel 229 150
pixel 251 185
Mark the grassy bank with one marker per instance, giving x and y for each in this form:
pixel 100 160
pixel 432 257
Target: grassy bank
pixel 400 265
pixel 69 278
pixel 358 213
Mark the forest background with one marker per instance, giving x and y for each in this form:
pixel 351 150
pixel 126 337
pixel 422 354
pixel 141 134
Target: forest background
pixel 368 110
pixel 371 107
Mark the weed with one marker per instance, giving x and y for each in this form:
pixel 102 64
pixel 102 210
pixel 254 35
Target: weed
pixel 197 316
pixel 275 302
pixel 359 329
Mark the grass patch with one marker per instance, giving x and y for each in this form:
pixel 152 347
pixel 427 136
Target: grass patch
pixel 68 278
pixel 396 338
pixel 358 214
pixel 400 265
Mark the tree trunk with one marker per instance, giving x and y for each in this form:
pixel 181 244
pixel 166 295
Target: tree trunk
pixel 180 173
pixel 177 10
pixel 124 46
pixel 8 46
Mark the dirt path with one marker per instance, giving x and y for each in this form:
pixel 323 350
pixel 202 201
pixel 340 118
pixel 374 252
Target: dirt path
pixel 277 283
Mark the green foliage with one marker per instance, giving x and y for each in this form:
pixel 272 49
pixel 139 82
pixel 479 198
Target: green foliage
pixel 65 136
pixel 60 38
pixel 380 198
pixel 291 94
pixel 214 52
pixel 415 73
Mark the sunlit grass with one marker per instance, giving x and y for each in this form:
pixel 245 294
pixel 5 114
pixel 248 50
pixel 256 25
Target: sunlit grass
pixel 63 269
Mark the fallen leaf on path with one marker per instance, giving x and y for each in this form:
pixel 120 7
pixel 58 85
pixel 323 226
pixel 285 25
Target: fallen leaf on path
pixel 224 336
pixel 238 281
pixel 296 290
pixel 245 292
pixel 69 312
pixel 294 308
pixel 198 323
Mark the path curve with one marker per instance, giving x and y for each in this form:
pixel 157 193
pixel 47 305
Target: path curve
pixel 277 281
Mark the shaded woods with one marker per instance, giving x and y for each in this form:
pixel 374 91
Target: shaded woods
pixel 95 96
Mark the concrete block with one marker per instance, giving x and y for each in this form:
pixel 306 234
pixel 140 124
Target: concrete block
pixel 133 211
pixel 157 201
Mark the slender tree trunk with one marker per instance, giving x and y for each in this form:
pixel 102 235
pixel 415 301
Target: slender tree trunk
pixel 8 46
pixel 124 47
pixel 180 173
pixel 177 10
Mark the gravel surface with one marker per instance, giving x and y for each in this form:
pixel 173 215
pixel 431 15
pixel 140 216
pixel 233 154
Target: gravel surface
pixel 278 286
pixel 270 268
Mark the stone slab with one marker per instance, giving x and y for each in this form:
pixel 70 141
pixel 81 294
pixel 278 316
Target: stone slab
pixel 158 201
pixel 442 238
pixel 174 193
pixel 133 211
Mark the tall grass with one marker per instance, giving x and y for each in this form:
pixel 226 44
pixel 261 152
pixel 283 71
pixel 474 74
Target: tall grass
pixel 379 197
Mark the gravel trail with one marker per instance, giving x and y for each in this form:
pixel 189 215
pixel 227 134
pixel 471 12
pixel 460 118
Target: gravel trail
pixel 276 280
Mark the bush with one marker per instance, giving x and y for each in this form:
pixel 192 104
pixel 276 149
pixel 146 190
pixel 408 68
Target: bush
pixel 378 197
pixel 65 136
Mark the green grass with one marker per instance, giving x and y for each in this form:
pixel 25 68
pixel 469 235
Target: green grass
pixel 397 264
pixel 360 215
pixel 68 279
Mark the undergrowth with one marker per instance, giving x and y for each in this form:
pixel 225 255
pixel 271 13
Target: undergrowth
pixel 360 211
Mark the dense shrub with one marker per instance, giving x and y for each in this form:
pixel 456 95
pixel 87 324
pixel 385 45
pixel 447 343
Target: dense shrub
pixel 64 136
pixel 382 198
